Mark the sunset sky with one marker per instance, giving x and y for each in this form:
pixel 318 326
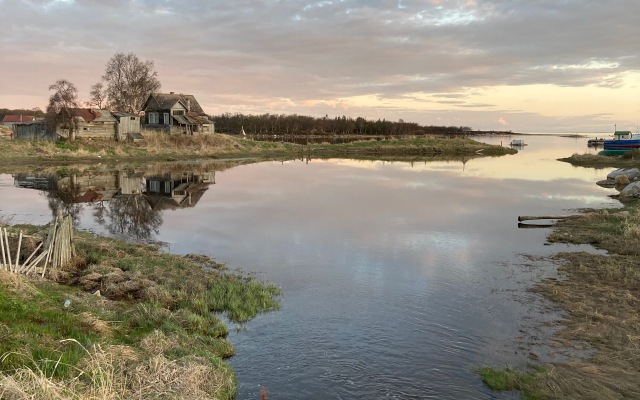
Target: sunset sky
pixel 520 65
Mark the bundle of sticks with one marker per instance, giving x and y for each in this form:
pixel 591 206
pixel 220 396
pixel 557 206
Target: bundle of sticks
pixel 54 250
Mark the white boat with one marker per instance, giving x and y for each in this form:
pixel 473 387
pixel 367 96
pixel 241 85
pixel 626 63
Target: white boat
pixel 517 143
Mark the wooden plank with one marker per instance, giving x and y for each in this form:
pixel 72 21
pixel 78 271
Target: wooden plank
pixel 533 217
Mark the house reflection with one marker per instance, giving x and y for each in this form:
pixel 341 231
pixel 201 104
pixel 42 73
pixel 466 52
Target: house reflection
pixel 126 202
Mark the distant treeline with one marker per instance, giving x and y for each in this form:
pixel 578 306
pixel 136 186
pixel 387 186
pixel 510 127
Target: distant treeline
pixel 302 125
pixel 35 112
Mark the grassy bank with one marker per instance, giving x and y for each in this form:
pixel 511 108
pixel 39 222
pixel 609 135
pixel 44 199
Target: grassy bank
pixel 601 297
pixel 630 159
pixel 161 146
pixel 150 332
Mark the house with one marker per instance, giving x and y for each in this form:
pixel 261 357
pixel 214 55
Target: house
pixel 91 123
pixel 176 113
pixel 94 123
pixel 10 120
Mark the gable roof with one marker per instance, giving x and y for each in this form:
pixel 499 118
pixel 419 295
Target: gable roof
pixel 166 101
pixel 91 115
pixel 17 118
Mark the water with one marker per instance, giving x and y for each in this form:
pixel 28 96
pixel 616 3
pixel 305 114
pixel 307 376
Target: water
pixel 399 279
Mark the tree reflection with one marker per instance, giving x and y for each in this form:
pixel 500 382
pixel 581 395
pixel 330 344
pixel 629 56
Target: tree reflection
pixel 60 201
pixel 130 215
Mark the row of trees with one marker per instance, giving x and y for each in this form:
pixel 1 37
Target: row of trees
pixel 35 112
pixel 302 125
pixel 125 86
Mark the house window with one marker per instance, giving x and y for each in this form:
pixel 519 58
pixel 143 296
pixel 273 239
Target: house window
pixel 154 118
pixel 167 120
pixel 154 186
pixel 178 112
pixel 132 118
pixel 167 187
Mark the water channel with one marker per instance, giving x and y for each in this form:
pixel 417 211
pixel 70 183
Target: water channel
pixel 399 279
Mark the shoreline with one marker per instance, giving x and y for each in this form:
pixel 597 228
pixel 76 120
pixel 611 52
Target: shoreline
pixel 600 295
pixel 123 320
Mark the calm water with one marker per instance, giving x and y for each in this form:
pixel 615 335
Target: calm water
pixel 399 279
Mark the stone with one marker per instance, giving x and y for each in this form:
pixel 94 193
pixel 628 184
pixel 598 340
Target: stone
pixel 631 190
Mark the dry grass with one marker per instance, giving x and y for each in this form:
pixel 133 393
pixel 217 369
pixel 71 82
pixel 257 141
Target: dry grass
pixel 601 294
pixel 120 372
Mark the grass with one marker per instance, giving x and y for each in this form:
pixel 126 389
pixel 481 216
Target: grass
pixel 629 159
pixel 153 332
pixel 508 379
pixel 600 294
pixel 162 146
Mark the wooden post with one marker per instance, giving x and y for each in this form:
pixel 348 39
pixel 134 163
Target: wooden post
pixel 17 263
pixel 4 257
pixel 26 263
pixel 6 239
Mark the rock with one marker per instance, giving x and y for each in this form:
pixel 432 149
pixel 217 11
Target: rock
pixel 632 173
pixel 631 190
pixel 607 183
pixel 622 180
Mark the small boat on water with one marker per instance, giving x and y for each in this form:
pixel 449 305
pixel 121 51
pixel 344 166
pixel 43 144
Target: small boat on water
pixel 623 140
pixel 597 142
pixel 517 143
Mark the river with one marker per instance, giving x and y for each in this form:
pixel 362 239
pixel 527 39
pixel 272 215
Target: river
pixel 399 279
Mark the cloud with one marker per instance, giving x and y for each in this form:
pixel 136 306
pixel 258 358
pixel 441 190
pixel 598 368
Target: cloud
pixel 249 55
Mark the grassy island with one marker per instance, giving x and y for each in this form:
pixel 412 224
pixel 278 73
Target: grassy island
pixel 123 321
pixel 161 146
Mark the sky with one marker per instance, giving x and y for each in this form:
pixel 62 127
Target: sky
pixel 517 65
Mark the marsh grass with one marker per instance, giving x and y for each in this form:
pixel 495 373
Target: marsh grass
pixel 157 312
pixel 601 296
pixel 160 145
pixel 508 379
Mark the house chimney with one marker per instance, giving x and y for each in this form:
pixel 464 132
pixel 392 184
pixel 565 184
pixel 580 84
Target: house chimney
pixel 188 105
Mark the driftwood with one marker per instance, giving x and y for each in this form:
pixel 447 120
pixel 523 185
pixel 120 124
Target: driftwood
pixel 56 249
pixel 530 217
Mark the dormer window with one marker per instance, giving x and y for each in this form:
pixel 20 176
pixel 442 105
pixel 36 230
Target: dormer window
pixel 178 112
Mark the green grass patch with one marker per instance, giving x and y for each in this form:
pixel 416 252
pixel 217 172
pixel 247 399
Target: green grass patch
pixel 508 379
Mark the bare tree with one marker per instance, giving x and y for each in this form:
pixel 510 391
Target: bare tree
pixel 97 96
pixel 129 81
pixel 60 110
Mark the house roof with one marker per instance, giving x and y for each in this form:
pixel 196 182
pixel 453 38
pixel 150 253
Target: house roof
pixel 17 118
pixel 166 101
pixel 92 115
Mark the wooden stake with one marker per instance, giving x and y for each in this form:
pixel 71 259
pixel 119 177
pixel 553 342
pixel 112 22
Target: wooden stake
pixel 50 239
pixel 4 257
pixel 35 262
pixel 6 239
pixel 24 266
pixel 17 263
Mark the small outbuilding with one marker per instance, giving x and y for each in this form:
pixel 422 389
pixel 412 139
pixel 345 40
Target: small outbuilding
pixel 35 130
pixel 127 125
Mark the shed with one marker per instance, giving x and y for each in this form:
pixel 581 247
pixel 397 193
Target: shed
pixel 36 130
pixel 127 125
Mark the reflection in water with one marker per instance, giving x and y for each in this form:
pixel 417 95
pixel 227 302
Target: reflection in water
pixel 399 279
pixel 128 203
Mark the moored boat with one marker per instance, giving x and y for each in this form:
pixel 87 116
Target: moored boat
pixel 595 142
pixel 623 140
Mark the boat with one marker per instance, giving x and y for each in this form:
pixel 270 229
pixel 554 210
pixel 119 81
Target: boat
pixel 597 142
pixel 517 143
pixel 623 140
